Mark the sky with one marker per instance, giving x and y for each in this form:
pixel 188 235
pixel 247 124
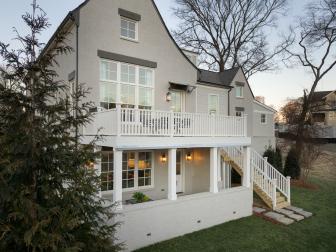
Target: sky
pixel 275 86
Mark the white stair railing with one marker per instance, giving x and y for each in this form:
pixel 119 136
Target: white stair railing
pixel 263 174
pixel 282 182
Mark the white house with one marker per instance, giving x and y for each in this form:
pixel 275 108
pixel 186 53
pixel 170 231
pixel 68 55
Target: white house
pixel 170 130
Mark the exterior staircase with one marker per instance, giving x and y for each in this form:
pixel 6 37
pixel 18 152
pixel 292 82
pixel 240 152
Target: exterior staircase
pixel 268 183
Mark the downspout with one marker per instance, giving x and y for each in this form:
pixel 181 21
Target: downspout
pixel 229 101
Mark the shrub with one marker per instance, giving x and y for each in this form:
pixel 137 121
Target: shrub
pixel 274 158
pixel 139 197
pixel 292 167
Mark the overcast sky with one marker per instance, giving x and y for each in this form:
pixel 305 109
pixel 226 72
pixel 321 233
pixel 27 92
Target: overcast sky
pixel 276 86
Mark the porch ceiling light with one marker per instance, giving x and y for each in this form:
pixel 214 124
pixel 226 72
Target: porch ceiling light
pixel 163 158
pixel 168 96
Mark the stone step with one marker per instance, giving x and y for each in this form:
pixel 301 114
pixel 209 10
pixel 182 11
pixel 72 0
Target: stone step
pixel 259 210
pixel 300 211
pixel 279 218
pixel 290 214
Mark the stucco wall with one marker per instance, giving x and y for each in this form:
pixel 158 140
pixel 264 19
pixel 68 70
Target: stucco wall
pixel 261 143
pixel 152 222
pixel 100 29
pixel 203 93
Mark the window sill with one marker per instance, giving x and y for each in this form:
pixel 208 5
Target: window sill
pixel 240 97
pixel 129 39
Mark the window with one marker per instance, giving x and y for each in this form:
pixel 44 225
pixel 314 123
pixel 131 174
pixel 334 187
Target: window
pixel 137 170
pixel 263 119
pixel 239 113
pixel 128 167
pixel 144 169
pixel 127 84
pixel 129 29
pixel 239 91
pixel 213 104
pixel 106 175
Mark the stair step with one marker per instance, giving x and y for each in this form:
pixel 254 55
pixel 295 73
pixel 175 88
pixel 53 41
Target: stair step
pixel 282 205
pixel 280 199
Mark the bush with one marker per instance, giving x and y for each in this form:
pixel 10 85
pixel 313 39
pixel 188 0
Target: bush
pixel 139 197
pixel 292 167
pixel 274 158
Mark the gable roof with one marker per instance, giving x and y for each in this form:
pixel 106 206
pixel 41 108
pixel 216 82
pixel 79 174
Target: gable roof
pixel 265 106
pixel 320 95
pixel 74 17
pixel 223 79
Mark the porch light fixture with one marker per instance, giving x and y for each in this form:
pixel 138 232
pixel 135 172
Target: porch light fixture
pixel 163 158
pixel 168 96
pixel 189 156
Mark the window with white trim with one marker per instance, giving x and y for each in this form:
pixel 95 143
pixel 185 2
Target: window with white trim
pixel 263 119
pixel 127 84
pixel 128 29
pixel 239 91
pixel 137 170
pixel 106 174
pixel 213 104
pixel 128 169
pixel 144 169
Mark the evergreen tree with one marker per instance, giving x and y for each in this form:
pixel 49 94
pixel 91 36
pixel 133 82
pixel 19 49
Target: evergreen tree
pixel 49 191
pixel 292 167
pixel 274 158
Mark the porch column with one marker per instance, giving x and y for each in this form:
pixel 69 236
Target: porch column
pixel 247 167
pixel 117 178
pixel 172 174
pixel 213 170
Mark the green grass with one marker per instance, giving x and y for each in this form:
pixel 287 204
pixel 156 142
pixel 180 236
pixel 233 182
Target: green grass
pixel 317 233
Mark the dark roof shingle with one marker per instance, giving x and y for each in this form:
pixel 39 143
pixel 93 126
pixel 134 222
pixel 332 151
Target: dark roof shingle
pixel 218 78
pixel 318 96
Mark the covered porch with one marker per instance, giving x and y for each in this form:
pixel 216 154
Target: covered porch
pixel 168 174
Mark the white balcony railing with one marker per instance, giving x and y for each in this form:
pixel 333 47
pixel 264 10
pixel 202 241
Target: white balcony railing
pixel 138 122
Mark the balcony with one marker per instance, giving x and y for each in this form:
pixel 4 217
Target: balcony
pixel 152 123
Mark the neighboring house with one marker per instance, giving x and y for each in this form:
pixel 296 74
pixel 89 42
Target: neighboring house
pixel 169 129
pixel 324 113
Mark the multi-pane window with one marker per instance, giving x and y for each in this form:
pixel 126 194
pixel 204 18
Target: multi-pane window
pixel 263 119
pixel 128 168
pixel 128 29
pixel 144 169
pixel 239 91
pixel 137 170
pixel 213 104
pixel 106 175
pixel 127 84
pixel 108 84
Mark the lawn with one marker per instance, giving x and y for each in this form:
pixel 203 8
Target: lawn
pixel 317 233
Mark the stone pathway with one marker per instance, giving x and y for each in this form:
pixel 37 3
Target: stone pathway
pixel 284 216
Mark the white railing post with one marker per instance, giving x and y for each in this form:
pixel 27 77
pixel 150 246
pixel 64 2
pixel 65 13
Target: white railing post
pixel 213 170
pixel 118 108
pixel 245 125
pixel 265 166
pixel 171 123
pixel 274 196
pixel 288 178
pixel 246 167
pixel 172 174
pixel 117 178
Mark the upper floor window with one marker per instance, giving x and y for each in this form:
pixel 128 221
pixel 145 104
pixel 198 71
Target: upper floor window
pixel 129 29
pixel 239 113
pixel 127 84
pixel 213 104
pixel 239 91
pixel 263 119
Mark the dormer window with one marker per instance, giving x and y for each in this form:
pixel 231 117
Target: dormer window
pixel 129 23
